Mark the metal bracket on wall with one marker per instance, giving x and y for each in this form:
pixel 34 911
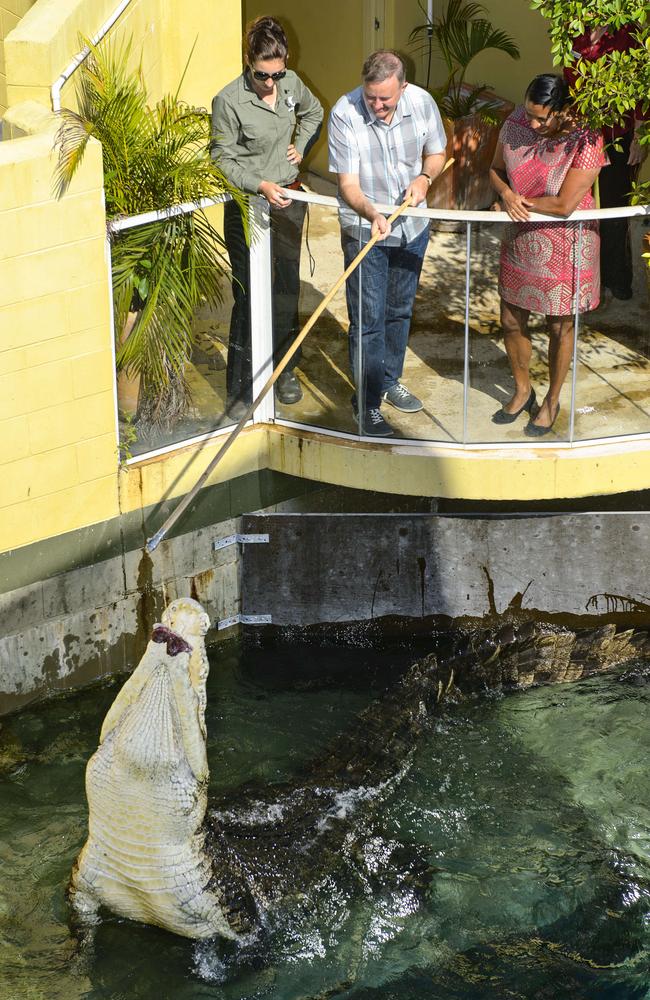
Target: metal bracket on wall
pixel 222 543
pixel 244 620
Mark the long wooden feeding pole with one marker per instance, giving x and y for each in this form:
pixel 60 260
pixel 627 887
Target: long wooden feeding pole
pixel 155 540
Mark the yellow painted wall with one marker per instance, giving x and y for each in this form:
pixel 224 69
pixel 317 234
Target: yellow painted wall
pixel 528 28
pixel 163 32
pixel 11 12
pixel 59 461
pixel 507 76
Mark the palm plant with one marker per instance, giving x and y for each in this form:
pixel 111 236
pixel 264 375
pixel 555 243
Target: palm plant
pixel 460 34
pixel 154 158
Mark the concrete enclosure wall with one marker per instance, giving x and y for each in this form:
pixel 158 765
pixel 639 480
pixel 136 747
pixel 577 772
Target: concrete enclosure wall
pixel 573 567
pixel 390 572
pixel 95 621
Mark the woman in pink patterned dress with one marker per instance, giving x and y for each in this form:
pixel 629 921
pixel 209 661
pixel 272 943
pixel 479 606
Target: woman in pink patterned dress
pixel 546 161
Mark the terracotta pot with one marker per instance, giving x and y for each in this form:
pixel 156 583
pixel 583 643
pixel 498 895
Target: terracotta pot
pixel 472 143
pixel 128 387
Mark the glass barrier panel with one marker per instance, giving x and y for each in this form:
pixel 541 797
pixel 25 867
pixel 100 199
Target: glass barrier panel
pixel 434 359
pixel 307 261
pixel 613 380
pixel 524 281
pixel 490 377
pixel 197 401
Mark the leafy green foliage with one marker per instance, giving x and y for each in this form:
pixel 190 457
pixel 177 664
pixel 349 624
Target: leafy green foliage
pixel 154 158
pixel 607 88
pixel 460 34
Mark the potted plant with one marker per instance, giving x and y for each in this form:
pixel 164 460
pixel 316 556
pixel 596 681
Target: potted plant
pixel 473 113
pixel 154 158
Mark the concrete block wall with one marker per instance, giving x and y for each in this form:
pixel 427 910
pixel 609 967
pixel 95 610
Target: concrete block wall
pixel 11 11
pixel 59 461
pixel 164 34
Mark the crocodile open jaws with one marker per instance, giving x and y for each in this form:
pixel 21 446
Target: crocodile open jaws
pixel 155 854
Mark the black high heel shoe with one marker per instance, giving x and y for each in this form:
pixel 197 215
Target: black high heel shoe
pixel 531 430
pixel 501 417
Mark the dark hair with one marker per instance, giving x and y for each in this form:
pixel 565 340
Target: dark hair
pixel 265 39
pixel 380 65
pixel 549 90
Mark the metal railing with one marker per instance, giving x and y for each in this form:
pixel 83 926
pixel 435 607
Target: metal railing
pixel 261 305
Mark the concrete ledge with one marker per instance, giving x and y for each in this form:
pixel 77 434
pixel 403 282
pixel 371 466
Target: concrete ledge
pixel 521 473
pixel 28 118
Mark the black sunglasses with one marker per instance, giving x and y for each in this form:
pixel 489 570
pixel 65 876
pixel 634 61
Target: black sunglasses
pixel 259 75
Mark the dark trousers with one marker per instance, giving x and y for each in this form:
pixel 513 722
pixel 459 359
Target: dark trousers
pixel 286 235
pixel 389 280
pixel 615 184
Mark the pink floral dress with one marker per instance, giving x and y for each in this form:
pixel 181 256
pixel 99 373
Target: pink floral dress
pixel 538 259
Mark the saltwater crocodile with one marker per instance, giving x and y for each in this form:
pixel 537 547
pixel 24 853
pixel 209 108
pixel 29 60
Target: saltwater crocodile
pixel 155 853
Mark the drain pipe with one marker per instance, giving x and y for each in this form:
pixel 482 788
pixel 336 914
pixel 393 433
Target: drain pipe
pixel 57 86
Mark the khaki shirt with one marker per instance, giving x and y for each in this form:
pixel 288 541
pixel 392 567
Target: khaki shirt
pixel 250 138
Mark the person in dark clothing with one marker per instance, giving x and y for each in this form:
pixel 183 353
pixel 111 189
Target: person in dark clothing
pixel 262 124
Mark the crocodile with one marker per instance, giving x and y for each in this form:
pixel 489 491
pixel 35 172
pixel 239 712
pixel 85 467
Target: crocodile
pixel 157 853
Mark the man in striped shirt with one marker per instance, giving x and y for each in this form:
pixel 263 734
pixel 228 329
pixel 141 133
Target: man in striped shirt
pixel 386 142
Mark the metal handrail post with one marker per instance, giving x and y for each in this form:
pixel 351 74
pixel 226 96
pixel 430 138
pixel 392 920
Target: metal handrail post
pixel 261 305
pixel 358 374
pixel 468 251
pixel 576 327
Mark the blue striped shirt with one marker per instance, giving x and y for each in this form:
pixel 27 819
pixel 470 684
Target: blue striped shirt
pixel 385 157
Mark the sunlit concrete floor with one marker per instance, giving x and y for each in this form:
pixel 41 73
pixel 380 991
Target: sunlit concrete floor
pixel 612 386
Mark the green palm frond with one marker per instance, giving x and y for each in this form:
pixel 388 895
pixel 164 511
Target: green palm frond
pixel 467 39
pixel 154 157
pixel 460 34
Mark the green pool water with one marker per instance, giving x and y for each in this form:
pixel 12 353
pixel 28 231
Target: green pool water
pixel 531 811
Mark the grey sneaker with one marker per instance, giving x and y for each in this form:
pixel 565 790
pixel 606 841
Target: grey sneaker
pixel 288 388
pixel 399 397
pixel 374 425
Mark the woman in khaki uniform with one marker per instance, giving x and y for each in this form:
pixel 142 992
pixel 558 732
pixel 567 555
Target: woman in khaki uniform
pixel 262 125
